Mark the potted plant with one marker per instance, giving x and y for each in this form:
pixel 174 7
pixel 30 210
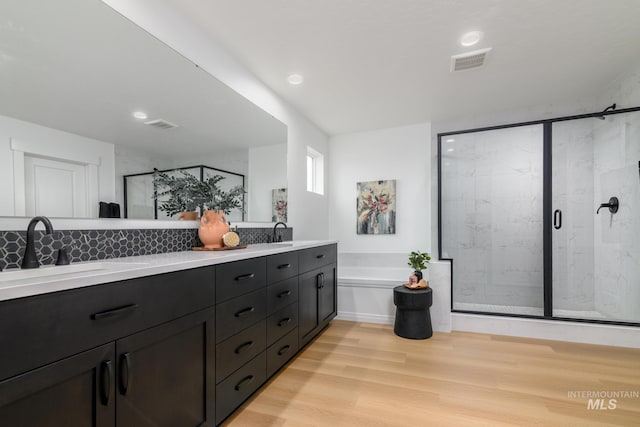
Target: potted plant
pixel 181 191
pixel 186 193
pixel 418 261
pixel 214 198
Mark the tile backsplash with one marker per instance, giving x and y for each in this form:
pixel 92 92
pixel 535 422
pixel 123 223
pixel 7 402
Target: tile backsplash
pixel 91 245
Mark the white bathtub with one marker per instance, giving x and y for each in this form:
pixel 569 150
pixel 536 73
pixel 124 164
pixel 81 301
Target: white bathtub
pixel 366 282
pixel 365 294
pixel 373 276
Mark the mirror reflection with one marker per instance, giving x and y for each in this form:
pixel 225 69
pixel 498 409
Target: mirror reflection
pixel 87 97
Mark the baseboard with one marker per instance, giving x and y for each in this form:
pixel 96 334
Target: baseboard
pixel 365 317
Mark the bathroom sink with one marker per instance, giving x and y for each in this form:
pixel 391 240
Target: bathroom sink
pixel 58 271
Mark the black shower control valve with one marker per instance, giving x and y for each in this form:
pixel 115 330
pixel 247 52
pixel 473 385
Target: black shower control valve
pixel 612 205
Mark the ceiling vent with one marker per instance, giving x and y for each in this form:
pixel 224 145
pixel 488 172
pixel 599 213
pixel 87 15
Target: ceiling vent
pixel 161 124
pixel 469 60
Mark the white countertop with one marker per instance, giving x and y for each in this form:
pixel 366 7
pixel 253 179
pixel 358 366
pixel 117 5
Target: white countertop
pixel 116 269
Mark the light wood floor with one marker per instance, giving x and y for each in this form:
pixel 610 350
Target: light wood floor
pixel 358 374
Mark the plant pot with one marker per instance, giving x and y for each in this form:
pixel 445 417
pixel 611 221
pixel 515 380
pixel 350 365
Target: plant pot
pixel 213 225
pixel 188 216
pixel 418 274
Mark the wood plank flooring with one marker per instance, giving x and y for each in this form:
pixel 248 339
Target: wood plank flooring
pixel 359 374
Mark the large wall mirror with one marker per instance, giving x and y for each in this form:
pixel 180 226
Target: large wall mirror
pixel 73 72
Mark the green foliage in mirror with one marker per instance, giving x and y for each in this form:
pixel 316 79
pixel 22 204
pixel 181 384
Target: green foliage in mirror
pixel 186 193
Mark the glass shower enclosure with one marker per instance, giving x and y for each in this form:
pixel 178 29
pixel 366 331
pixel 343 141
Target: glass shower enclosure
pixel 542 219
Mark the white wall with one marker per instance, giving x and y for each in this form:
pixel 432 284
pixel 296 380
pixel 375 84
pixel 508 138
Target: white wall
pixel 232 161
pixel 131 161
pixel 308 212
pixel 401 153
pixel 267 171
pixel 52 143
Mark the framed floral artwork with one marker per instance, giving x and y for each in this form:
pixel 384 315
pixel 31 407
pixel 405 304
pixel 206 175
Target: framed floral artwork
pixel 279 205
pixel 376 207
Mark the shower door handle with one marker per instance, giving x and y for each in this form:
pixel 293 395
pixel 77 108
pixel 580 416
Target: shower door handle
pixel 557 219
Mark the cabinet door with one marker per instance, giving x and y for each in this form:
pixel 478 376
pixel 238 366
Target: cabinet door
pixel 166 374
pixel 308 284
pixel 76 391
pixel 327 294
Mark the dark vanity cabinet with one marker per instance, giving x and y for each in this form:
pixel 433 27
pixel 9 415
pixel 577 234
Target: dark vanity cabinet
pixel 162 374
pixel 75 391
pixel 132 353
pixel 256 317
pixel 185 348
pixel 317 290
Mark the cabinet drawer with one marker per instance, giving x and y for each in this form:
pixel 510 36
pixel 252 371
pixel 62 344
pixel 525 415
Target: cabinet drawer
pixel 282 294
pixel 281 352
pixel 282 322
pixel 239 386
pixel 239 349
pixel 317 257
pixel 46 328
pixel 237 314
pixel 282 266
pixel 240 277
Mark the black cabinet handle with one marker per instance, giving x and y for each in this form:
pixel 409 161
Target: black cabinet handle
pixel 124 372
pixel 114 312
pixel 284 294
pixel 244 312
pixel 320 280
pixel 320 256
pixel 284 349
pixel 245 277
pixel 106 372
pixel 242 347
pixel 284 321
pixel 283 266
pixel 248 380
pixel 557 219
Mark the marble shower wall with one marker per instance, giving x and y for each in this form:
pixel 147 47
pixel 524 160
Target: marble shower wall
pixel 617 236
pixel 492 216
pixel 573 195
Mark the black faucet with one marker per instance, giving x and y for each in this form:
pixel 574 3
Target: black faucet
pixel 30 259
pixel 273 238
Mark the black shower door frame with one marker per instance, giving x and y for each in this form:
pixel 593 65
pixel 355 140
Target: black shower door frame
pixel 547 214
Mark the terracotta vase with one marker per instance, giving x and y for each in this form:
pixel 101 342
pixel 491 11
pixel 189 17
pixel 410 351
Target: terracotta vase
pixel 188 216
pixel 213 225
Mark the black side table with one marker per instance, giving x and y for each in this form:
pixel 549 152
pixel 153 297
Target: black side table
pixel 413 319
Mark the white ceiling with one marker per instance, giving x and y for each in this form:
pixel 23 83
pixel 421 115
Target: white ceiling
pixel 372 64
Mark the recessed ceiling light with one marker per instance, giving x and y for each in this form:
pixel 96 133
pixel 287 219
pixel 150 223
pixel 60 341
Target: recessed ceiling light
pixel 295 79
pixel 140 115
pixel 470 38
pixel 450 140
pixel 450 150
